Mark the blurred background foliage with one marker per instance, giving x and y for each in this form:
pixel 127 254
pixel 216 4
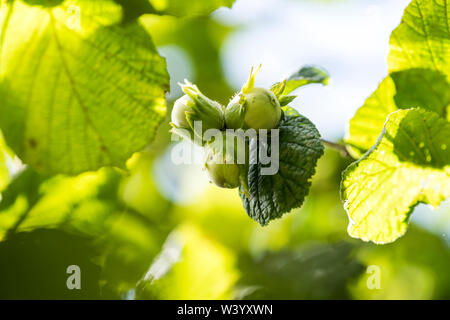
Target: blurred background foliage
pixel 160 231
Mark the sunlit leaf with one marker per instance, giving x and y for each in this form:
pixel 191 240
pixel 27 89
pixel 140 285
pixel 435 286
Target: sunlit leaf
pixel 366 124
pixel 410 88
pixel 409 164
pixel 78 90
pixel 418 63
pixel 422 40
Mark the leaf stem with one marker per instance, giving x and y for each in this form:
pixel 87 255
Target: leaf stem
pixel 338 147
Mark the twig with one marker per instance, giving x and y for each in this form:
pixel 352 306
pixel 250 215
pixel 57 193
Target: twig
pixel 338 147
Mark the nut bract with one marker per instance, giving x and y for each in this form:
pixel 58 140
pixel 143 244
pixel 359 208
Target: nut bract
pixel 180 107
pixel 255 108
pixel 196 113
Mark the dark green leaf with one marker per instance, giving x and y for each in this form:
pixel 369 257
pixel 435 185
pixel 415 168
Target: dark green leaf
pixel 270 196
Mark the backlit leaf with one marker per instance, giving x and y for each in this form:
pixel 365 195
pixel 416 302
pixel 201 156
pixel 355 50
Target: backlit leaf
pixel 409 164
pixel 79 91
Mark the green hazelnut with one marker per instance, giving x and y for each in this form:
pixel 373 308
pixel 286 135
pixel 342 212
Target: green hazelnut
pixel 256 108
pixel 227 160
pixel 221 173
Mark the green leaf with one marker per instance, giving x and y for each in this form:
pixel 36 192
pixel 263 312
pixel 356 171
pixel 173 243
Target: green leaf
pixel 418 63
pixel 409 164
pixel 77 97
pixel 366 124
pixel 306 75
pixel 270 196
pixel 422 40
pixel 410 88
pixel 423 88
pixel 183 8
pixel 285 100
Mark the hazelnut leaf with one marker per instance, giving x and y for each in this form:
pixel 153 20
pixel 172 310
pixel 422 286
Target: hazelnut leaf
pixel 271 196
pixel 306 75
pixel 410 163
pixel 76 97
pixel 419 75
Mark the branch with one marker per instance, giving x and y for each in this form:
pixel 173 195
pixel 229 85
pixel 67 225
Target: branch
pixel 338 147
